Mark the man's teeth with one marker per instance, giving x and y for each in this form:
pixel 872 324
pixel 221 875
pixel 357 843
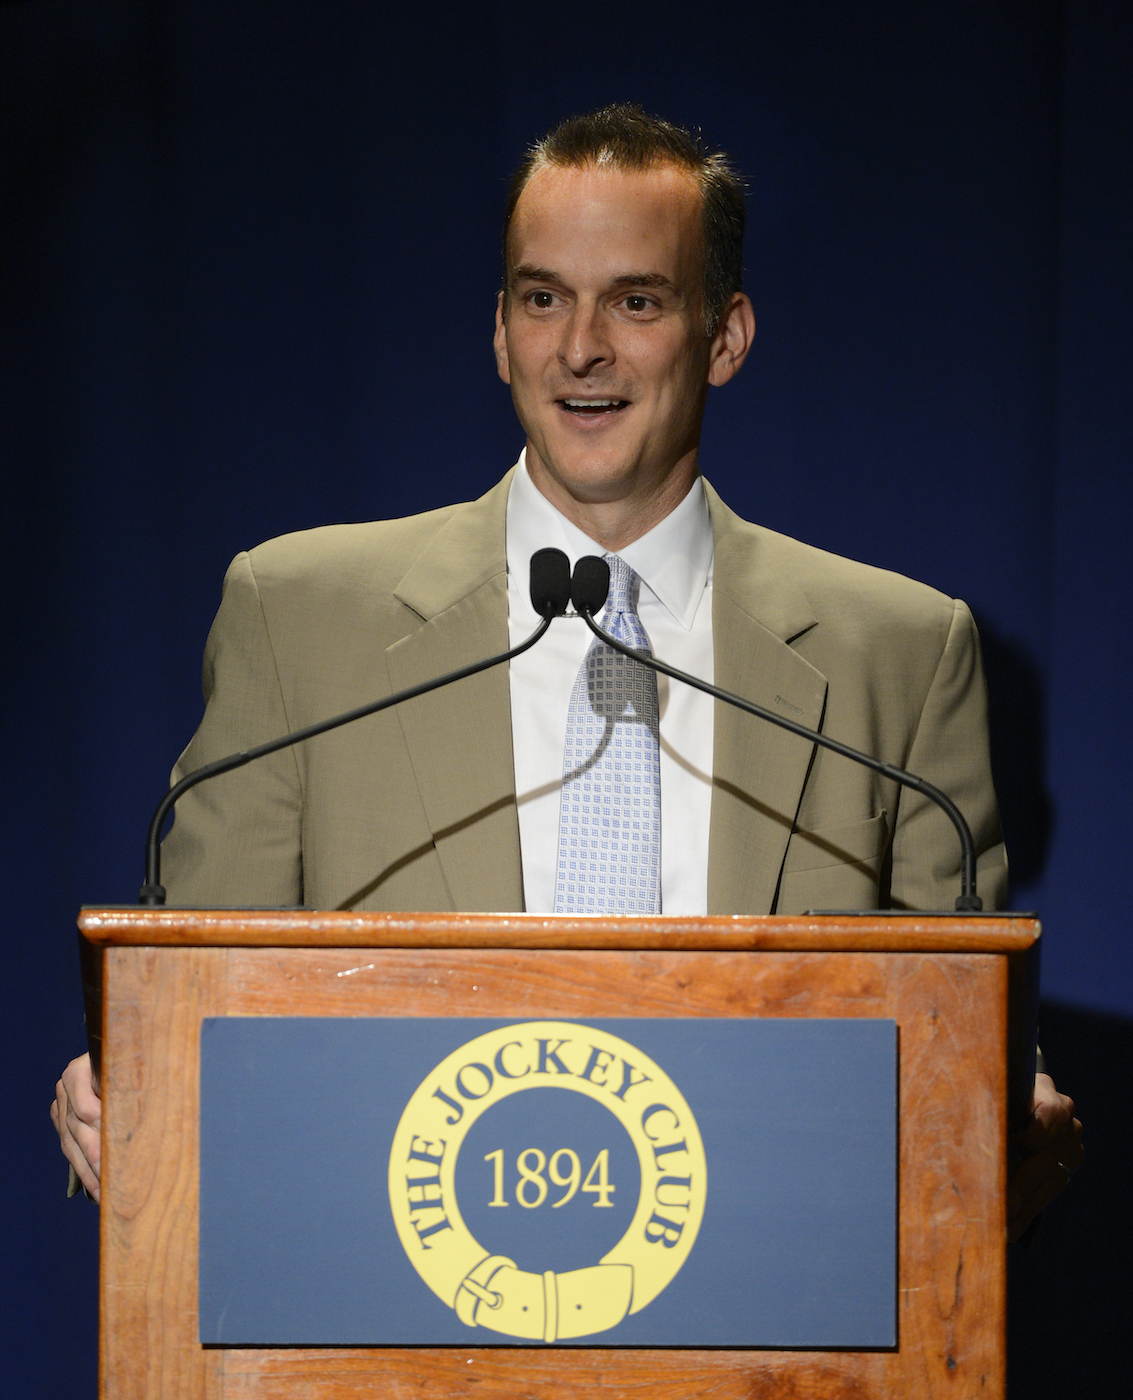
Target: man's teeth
pixel 592 403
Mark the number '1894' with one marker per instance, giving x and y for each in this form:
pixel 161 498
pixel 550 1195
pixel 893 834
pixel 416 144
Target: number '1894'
pixel 532 1189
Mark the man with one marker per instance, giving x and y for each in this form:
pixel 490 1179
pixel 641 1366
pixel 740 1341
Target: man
pixel 621 305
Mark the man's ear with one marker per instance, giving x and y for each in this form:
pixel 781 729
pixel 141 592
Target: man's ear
pixel 732 341
pixel 499 342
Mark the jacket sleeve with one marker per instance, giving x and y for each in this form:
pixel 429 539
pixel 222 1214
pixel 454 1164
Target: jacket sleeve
pixel 237 839
pixel 950 749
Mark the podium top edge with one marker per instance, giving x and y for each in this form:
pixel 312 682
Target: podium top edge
pixel 900 932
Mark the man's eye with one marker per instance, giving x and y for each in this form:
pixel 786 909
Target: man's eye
pixel 542 301
pixel 637 303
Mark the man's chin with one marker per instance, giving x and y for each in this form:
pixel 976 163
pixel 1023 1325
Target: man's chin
pixel 592 478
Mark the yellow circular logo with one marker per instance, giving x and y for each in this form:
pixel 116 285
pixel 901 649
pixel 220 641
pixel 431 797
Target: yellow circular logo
pixel 490 1290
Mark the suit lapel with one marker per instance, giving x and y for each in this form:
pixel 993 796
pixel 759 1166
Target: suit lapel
pixel 759 771
pixel 459 737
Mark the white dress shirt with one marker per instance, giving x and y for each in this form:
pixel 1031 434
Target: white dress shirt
pixel 674 563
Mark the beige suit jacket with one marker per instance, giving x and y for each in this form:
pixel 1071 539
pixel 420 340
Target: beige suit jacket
pixel 414 808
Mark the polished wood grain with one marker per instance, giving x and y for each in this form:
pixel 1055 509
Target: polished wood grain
pixel 951 1009
pixel 523 1374
pixel 154 1002
pixel 134 924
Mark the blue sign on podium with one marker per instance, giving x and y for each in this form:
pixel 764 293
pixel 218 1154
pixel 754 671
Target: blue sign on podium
pixel 468 1182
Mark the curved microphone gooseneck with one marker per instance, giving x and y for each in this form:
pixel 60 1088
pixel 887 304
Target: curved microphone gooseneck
pixel 550 593
pixel 589 587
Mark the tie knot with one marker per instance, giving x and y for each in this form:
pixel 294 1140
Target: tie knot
pixel 622 580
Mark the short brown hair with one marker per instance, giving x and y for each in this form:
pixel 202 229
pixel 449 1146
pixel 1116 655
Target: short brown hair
pixel 627 138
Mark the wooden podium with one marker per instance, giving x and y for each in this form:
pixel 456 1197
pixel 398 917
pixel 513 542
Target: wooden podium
pixel 961 989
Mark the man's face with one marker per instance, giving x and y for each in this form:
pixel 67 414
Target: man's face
pixel 602 334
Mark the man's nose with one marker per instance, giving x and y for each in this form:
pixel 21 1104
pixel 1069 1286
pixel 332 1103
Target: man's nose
pixel 585 345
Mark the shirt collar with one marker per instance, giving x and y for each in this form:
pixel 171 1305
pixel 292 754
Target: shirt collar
pixel 673 560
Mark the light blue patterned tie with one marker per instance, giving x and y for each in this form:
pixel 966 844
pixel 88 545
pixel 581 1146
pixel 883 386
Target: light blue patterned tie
pixel 610 808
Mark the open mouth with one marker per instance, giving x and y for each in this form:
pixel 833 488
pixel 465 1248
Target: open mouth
pixel 593 408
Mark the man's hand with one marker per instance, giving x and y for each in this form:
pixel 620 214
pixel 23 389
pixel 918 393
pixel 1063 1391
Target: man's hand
pixel 1043 1155
pixel 77 1115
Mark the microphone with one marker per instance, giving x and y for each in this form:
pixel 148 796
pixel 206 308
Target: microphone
pixel 589 587
pixel 550 582
pixel 550 594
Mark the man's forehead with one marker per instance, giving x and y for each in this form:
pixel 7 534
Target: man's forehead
pixel 608 206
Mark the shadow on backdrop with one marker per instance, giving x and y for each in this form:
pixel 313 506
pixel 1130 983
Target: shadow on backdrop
pixel 1017 722
pixel 1068 1295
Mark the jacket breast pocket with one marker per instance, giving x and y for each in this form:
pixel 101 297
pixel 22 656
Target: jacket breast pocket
pixel 837 867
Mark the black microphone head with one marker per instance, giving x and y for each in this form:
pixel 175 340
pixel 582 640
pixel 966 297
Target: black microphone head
pixel 550 582
pixel 590 584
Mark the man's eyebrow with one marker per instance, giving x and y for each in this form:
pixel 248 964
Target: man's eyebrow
pixel 656 280
pixel 526 272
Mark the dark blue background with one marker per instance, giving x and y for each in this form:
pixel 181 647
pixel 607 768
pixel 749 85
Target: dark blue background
pixel 249 255
pixel 797 1245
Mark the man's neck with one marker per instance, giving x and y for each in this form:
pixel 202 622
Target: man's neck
pixel 614 524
